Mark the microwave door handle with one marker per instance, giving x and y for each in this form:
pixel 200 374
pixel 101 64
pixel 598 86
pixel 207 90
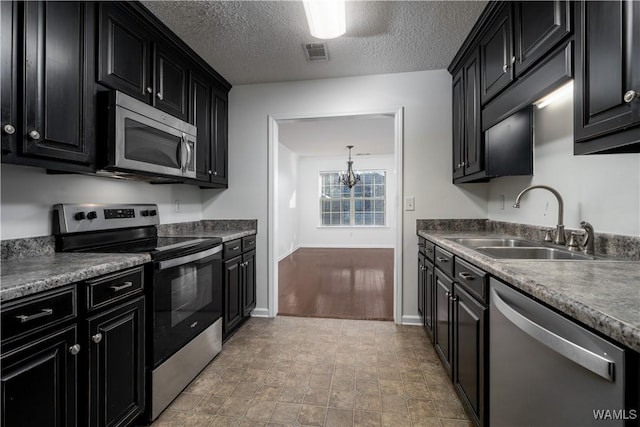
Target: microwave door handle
pixel 189 153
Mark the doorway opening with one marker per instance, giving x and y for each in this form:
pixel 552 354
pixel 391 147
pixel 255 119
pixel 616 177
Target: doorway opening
pixel 336 250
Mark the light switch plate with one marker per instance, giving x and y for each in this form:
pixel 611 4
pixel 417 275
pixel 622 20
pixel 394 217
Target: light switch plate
pixel 410 203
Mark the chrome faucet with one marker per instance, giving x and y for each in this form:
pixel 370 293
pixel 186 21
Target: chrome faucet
pixel 558 238
pixel 588 244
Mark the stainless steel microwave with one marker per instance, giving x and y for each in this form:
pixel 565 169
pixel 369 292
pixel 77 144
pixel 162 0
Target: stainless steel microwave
pixel 146 141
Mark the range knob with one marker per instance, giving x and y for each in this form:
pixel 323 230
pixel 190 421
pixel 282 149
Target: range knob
pixel 153 212
pixel 144 213
pixel 79 216
pixel 92 215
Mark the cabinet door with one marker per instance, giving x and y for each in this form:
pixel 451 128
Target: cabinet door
pixel 201 117
pixel 39 382
pixel 469 344
pixel 116 365
pixel 171 82
pixel 473 155
pixel 607 66
pixel 219 145
pixel 539 26
pixel 443 318
pixel 124 52
pixel 8 77
pixel 458 123
pixel 58 81
pixel 232 295
pixel 421 283
pixel 429 295
pixel 496 49
pixel 249 282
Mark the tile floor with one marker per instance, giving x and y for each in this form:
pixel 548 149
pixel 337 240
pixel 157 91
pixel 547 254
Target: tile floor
pixel 292 371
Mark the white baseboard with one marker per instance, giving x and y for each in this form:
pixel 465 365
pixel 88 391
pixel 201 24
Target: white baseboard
pixel 411 320
pixel 260 312
pixel 289 252
pixel 346 246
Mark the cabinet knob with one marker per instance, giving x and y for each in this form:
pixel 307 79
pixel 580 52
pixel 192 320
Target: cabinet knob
pixel 149 90
pixel 35 135
pixel 209 172
pixel 513 59
pixel 97 338
pixel 505 67
pixel 8 129
pixel 74 349
pixel 159 95
pixel 215 173
pixel 631 96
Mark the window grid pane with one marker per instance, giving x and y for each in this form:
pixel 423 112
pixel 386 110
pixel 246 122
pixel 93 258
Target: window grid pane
pixel 362 205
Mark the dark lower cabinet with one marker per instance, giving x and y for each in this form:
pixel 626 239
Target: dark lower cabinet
pixel 443 319
pixel 248 282
pixel 232 295
pixel 607 80
pixel 429 293
pixel 421 286
pixel 469 332
pixel 39 382
pixel 116 365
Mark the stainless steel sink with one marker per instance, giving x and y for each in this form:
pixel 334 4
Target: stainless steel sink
pixel 538 253
pixel 476 242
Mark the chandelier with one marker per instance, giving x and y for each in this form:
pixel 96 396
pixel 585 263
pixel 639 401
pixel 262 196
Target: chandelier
pixel 349 178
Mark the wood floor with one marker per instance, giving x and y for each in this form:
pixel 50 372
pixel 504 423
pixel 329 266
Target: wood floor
pixel 339 283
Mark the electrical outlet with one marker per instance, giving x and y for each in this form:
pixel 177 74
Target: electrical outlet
pixel 501 199
pixel 410 203
pixel 178 207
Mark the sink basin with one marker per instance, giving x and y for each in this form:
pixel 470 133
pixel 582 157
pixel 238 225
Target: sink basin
pixel 476 242
pixel 538 253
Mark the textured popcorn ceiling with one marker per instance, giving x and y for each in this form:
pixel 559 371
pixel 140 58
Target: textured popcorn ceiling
pixel 261 41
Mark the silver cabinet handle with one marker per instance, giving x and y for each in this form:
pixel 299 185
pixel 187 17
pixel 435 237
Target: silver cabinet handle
pixel 505 67
pixel 209 172
pixel 441 259
pixel 453 297
pixel 448 294
pixel 97 338
pixel 513 59
pixel 631 95
pixel 74 349
pixel 9 129
pixel 235 248
pixel 159 95
pixel 465 276
pixel 572 351
pixel 27 318
pixel 149 90
pixel 429 250
pixel 125 285
pixel 35 135
pixel 215 173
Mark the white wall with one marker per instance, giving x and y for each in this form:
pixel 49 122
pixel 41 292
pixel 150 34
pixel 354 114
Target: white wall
pixel 312 235
pixel 288 202
pixel 601 189
pixel 426 98
pixel 28 195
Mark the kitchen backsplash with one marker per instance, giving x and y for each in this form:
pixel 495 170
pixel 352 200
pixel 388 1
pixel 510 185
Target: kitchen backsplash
pixel 614 245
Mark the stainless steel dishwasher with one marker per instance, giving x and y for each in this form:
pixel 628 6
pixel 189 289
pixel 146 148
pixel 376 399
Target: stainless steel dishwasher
pixel 545 370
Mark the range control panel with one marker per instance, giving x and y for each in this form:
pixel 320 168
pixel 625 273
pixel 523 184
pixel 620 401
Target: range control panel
pixel 77 218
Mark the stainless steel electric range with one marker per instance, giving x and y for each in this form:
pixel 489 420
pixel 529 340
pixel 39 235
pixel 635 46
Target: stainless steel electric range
pixel 184 289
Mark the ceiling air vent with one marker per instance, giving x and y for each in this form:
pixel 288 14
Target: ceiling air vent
pixel 316 51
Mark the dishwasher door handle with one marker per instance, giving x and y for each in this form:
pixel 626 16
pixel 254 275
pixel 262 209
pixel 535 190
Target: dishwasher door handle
pixel 572 351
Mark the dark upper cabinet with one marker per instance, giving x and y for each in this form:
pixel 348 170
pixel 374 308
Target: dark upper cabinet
pixel 607 80
pixel 8 77
pixel 458 124
pixel 116 365
pixel 171 82
pixel 219 142
pixel 539 26
pixel 124 52
pixel 47 84
pixel 39 382
pixel 248 283
pixel 496 54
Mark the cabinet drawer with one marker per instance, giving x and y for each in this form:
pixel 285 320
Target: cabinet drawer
pixel 114 287
pixel 471 278
pixel 232 248
pixel 248 243
pixel 444 261
pixel 38 312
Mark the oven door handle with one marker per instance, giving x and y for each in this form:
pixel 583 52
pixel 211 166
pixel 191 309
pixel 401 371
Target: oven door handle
pixel 163 265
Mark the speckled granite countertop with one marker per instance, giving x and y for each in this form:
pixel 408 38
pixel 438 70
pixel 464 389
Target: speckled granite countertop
pixel 28 275
pixel 226 235
pixel 604 295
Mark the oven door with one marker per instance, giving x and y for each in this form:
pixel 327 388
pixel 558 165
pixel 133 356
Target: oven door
pixel 187 298
pixel 146 145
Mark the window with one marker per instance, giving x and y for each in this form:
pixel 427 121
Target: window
pixel 362 205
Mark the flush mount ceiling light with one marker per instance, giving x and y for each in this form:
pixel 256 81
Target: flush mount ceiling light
pixel 561 93
pixel 349 178
pixel 326 18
